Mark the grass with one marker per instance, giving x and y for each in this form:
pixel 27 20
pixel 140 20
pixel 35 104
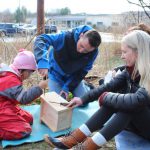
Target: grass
pixel 109 58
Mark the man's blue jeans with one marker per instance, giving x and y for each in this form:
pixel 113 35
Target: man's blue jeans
pixel 79 91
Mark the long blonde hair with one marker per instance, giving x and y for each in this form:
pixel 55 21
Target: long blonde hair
pixel 140 41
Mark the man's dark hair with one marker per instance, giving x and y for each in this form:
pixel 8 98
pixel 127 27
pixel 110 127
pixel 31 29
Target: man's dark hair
pixel 94 38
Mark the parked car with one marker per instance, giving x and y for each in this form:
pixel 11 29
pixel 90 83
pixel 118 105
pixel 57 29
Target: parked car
pixel 27 29
pixel 19 27
pixel 50 29
pixel 2 33
pixel 8 29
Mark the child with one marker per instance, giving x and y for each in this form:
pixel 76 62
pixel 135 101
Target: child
pixel 15 122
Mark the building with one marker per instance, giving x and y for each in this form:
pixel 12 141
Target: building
pixel 99 21
pixel 65 22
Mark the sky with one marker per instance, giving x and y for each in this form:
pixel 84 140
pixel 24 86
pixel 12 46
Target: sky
pixel 76 6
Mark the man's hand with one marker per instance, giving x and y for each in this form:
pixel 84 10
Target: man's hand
pixel 43 84
pixel 75 102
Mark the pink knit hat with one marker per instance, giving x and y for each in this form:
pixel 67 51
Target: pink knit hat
pixel 24 60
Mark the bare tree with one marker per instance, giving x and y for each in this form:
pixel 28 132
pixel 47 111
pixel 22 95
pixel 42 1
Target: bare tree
pixel 145 4
pixel 132 18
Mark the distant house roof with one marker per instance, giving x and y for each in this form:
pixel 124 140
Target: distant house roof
pixel 66 18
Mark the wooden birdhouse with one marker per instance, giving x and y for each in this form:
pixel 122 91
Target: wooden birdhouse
pixel 53 112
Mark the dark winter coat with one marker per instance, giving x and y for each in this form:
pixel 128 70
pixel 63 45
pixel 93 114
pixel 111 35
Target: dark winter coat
pixel 134 97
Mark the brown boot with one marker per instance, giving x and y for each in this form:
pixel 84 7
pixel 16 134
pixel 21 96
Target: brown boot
pixel 88 144
pixel 68 141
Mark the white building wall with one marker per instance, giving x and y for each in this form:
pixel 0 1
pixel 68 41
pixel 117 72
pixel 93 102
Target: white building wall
pixel 106 20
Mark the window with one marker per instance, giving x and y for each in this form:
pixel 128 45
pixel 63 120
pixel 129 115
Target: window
pixel 115 24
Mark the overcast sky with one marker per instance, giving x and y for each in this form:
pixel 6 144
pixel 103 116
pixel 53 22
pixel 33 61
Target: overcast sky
pixel 76 6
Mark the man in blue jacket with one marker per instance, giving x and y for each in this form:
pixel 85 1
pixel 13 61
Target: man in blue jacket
pixel 66 58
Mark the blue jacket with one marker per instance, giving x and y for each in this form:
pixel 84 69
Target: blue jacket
pixel 65 64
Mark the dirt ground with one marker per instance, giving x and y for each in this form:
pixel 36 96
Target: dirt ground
pixel 44 146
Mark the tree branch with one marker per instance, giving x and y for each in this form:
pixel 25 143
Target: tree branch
pixel 143 5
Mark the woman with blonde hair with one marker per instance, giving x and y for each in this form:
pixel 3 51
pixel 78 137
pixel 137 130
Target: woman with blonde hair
pixel 131 110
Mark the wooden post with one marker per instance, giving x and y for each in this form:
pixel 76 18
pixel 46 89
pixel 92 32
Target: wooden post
pixel 40 17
